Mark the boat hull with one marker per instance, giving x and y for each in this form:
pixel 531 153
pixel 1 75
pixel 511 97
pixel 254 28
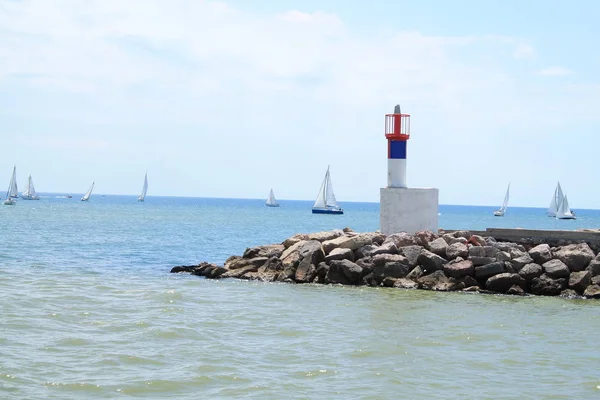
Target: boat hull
pixel 566 217
pixel 9 202
pixel 272 205
pixel 498 214
pixel 30 197
pixel 327 211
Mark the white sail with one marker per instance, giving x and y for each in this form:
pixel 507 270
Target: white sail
pixel 321 201
pixel 13 191
pixel 87 195
pixel 326 202
pixel 144 188
pixel 564 211
pixel 330 196
pixel 9 201
pixel 500 212
pixel 556 200
pixel 29 192
pixel 271 201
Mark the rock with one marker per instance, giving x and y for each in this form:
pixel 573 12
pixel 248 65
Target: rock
pixel 575 256
pixel 488 270
pixel 404 283
pixel 546 286
pixel 291 253
pixel 462 234
pixel 503 256
pixel 471 289
pixel 530 271
pixel 349 242
pixel 271 250
pixel 322 270
pixel 502 282
pixel 469 281
pixel 477 240
pixel 401 239
pixel 508 247
pixel 424 238
pixel 239 262
pixel 435 281
pixel 477 251
pixel 287 243
pixel 457 250
pixel 411 253
pixel 306 271
pixel 438 246
pixel 344 272
pixel 381 259
pixel 340 254
pixel 415 273
pixel 477 261
pixel 592 291
pixel 183 268
pixel 521 261
pixel 594 267
pixel 365 251
pixel 347 230
pixel 385 248
pixel 556 269
pixel 490 241
pixel 430 262
pixel 516 290
pixel 541 253
pixel 313 250
pixel 326 235
pixel 395 269
pixel 579 281
pixel 366 264
pixel 459 269
pixel 569 294
pixel 239 272
pixel 452 240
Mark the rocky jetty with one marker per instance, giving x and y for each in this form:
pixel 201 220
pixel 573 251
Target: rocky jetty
pixel 443 261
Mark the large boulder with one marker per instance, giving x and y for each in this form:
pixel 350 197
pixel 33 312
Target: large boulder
pixel 381 259
pixel 289 242
pixel 401 239
pixel 575 256
pixel 546 286
pixel 411 253
pixel 344 272
pixel 459 269
pixel 339 254
pixel 349 242
pixel 325 235
pixel 313 250
pixel 521 261
pixel 488 270
pixel 501 283
pixel 530 271
pixel 541 253
pixel 579 281
pixel 430 262
pixel 435 281
pixel 457 250
pixel 438 246
pixel 291 256
pixel 424 238
pixel 556 269
pixel 594 267
pixel 271 250
pixel 592 292
pixel 306 271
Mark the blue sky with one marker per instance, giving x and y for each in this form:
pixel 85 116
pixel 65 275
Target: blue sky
pixel 229 99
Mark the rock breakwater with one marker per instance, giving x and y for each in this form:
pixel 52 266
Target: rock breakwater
pixel 453 261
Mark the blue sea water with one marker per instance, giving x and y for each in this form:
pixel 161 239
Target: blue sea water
pixel 88 309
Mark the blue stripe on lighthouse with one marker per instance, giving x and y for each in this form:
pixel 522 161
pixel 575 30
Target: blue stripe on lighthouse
pixel 397 149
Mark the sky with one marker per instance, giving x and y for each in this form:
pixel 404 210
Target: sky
pixel 232 98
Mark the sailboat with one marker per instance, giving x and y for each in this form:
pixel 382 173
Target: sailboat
pixel 555 202
pixel 271 201
pixel 87 194
pixel 500 212
pixel 144 188
pixel 326 202
pixel 29 192
pixel 564 212
pixel 12 191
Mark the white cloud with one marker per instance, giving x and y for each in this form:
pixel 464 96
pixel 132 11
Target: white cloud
pixel 555 71
pixel 188 85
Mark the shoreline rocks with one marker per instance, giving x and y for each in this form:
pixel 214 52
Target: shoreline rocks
pixel 457 261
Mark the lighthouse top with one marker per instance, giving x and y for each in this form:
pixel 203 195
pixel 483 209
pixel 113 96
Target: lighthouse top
pixel 397 125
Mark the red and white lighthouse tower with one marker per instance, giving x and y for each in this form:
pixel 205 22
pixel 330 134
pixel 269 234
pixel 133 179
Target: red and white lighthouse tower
pixel 397 133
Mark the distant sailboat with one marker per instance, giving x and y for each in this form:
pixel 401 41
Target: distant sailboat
pixel 564 212
pixel 500 212
pixel 555 202
pixel 326 202
pixel 271 201
pixel 144 188
pixel 12 191
pixel 29 192
pixel 87 194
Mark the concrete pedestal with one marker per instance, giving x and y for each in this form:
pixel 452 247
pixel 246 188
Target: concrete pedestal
pixel 408 210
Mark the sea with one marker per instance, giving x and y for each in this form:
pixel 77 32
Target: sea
pixel 90 310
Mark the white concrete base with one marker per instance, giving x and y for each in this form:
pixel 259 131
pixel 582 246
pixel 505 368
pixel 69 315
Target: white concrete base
pixel 408 210
pixel 396 173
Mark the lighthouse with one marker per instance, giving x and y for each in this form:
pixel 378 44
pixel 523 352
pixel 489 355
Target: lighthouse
pixel 404 209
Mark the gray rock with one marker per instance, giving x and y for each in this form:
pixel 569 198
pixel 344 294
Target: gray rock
pixel 477 240
pixel 541 253
pixel 477 251
pixel 508 246
pixel 488 270
pixel 569 294
pixel 438 246
pixel 501 283
pixel 272 250
pixel 579 281
pixel 404 283
pixel 530 271
pixel 435 281
pixel 546 286
pixel 401 239
pixel 340 254
pixel 415 273
pixel 289 242
pixel 521 261
pixel 592 292
pixel 477 261
pixel 459 269
pixel 594 267
pixel 326 235
pixel 411 253
pixel 430 262
pixel 575 256
pixel 381 259
pixel 516 290
pixel 365 251
pixel 306 271
pixel 385 248
pixel 457 250
pixel 423 238
pixel 313 250
pixel 349 242
pixel 556 269
pixel 503 256
pixel 344 272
